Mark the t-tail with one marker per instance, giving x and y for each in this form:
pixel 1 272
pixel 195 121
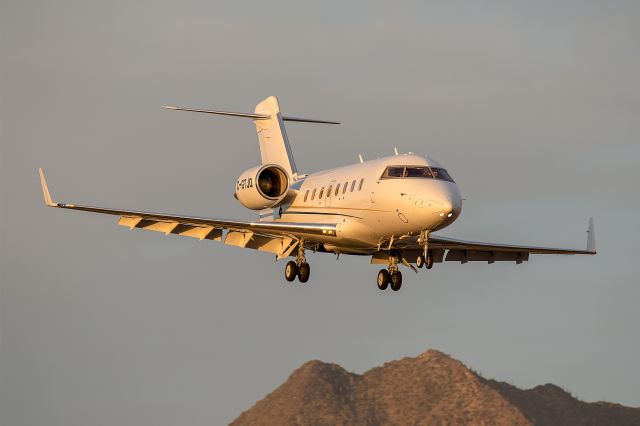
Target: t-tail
pixel 272 136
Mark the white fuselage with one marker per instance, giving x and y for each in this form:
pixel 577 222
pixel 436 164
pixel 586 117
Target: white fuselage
pixel 385 208
pixel 370 208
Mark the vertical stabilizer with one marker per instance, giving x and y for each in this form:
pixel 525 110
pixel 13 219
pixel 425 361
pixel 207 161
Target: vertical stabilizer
pixel 274 144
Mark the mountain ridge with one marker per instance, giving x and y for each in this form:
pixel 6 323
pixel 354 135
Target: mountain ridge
pixel 431 388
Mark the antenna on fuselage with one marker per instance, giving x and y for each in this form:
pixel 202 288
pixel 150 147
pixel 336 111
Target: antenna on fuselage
pixel 360 157
pixel 396 150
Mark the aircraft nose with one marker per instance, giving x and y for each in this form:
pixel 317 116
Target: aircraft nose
pixel 446 207
pixel 450 204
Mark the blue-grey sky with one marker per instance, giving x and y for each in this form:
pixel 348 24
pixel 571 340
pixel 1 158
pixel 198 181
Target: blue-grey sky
pixel 534 108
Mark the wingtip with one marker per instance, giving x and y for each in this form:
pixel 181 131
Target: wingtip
pixel 591 237
pixel 45 189
pixel 169 107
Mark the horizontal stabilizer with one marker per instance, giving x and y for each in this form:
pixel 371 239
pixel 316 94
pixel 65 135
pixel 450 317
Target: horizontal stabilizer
pixel 233 114
pixel 307 120
pixel 249 115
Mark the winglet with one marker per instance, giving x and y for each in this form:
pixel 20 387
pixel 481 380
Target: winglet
pixel 45 190
pixel 591 238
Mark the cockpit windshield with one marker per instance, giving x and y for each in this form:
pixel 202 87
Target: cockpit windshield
pixel 441 174
pixel 424 172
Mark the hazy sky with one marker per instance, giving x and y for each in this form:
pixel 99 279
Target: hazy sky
pixel 534 108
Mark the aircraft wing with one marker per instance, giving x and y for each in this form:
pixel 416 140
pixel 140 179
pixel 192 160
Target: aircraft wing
pixel 451 249
pixel 275 237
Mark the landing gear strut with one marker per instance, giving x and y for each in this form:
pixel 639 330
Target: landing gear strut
pixel 390 276
pixel 298 268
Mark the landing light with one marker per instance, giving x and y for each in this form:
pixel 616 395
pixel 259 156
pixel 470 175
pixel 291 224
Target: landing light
pixel 450 214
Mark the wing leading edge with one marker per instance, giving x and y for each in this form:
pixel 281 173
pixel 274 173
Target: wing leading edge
pixel 276 237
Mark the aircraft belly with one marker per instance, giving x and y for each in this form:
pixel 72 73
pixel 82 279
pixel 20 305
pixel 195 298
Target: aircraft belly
pixel 355 234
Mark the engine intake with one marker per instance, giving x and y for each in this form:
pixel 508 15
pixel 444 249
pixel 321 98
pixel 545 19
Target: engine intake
pixel 262 187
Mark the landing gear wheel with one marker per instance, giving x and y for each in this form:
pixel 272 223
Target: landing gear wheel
pixel 429 261
pixel 303 272
pixel 420 261
pixel 383 279
pixel 291 271
pixel 396 281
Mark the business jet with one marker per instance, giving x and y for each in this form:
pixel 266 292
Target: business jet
pixel 387 208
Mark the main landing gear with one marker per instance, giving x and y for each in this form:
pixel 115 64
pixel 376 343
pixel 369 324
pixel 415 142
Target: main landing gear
pixel 390 276
pixel 298 268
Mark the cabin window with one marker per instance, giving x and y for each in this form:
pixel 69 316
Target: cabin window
pixel 321 192
pixel 344 188
pixel 337 190
pixel 329 191
pixel 353 185
pixel 306 195
pixel 360 185
pixel 313 194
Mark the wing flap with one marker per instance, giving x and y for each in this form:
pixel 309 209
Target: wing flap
pixel 199 232
pixel 172 227
pixel 129 221
pixel 238 238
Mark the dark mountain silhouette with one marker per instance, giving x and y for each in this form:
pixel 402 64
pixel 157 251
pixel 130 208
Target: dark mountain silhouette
pixel 431 389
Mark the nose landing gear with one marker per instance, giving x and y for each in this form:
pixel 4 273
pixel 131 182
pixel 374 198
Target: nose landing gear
pixel 390 276
pixel 426 258
pixel 298 268
pixel 425 261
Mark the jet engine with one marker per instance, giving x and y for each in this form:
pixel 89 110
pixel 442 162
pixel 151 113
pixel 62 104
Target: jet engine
pixel 262 187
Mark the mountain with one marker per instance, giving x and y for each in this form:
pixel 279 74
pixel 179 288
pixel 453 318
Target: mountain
pixel 430 389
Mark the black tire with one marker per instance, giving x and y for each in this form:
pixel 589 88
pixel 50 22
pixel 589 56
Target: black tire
pixel 291 271
pixel 429 261
pixel 303 272
pixel 383 279
pixel 420 261
pixel 396 281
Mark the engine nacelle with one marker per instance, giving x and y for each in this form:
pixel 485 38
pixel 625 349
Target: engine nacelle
pixel 262 187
